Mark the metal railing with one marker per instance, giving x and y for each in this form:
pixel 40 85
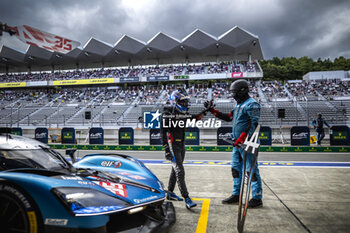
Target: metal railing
pixel 59 115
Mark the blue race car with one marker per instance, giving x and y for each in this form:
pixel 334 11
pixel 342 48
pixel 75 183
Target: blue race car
pixel 40 191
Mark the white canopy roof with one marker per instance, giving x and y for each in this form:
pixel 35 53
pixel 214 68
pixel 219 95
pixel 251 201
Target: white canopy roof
pixel 198 46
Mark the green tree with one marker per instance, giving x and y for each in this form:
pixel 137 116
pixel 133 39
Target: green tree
pixel 289 68
pixel 339 63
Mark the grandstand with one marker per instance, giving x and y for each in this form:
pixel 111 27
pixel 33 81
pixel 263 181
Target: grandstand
pixel 124 105
pixel 137 76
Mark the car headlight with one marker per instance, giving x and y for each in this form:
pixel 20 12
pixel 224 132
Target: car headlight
pixel 84 201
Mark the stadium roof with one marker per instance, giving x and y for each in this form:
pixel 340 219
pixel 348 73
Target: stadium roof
pixel 198 46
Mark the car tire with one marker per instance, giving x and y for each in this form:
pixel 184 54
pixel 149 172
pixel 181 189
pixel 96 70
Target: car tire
pixel 18 211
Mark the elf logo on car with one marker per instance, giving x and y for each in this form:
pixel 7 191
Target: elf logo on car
pixel 117 189
pixel 114 164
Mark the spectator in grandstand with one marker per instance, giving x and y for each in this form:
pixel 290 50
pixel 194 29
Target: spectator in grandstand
pixel 131 72
pixel 318 126
pixel 245 116
pixel 173 137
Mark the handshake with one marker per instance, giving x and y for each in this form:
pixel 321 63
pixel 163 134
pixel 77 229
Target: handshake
pixel 209 105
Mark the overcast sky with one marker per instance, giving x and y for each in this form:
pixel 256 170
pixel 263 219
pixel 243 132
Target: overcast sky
pixel 314 28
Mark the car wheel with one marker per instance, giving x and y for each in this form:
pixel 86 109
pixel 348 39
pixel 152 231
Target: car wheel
pixel 18 212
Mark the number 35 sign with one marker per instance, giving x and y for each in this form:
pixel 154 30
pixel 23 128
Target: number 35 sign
pixel 51 42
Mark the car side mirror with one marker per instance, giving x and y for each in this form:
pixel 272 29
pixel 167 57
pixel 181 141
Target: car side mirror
pixel 71 152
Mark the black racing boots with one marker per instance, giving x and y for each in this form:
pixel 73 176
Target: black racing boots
pixel 233 199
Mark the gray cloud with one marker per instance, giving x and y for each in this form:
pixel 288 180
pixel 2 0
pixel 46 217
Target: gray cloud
pixel 285 28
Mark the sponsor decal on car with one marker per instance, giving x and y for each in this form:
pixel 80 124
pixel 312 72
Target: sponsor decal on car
pixel 135 177
pixel 117 189
pixel 114 164
pixel 71 178
pixel 86 183
pixel 56 222
pixel 145 199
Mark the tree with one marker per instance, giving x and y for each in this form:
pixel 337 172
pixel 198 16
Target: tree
pixel 289 68
pixel 339 63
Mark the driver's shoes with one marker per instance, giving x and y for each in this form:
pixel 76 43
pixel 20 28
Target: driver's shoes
pixel 189 203
pixel 172 196
pixel 255 203
pixel 233 199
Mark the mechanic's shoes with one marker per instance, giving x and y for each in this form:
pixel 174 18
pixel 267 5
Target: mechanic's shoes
pixel 233 199
pixel 189 203
pixel 172 196
pixel 255 203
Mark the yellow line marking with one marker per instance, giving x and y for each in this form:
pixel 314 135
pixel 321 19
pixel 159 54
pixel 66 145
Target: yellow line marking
pixel 203 218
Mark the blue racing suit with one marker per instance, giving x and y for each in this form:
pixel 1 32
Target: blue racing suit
pixel 245 117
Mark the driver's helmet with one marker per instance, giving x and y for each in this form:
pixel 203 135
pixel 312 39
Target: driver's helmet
pixel 179 99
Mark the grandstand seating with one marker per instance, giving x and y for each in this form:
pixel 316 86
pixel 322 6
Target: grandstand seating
pixel 120 106
pixel 135 71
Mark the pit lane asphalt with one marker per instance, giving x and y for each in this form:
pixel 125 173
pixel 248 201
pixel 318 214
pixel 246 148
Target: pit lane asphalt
pixel 318 197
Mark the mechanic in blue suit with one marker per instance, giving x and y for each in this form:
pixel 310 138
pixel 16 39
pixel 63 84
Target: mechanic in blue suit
pixel 245 116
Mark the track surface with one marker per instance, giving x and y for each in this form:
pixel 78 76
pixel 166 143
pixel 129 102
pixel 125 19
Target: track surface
pixel 296 199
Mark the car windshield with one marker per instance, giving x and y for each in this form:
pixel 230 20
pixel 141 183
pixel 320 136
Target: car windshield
pixel 38 158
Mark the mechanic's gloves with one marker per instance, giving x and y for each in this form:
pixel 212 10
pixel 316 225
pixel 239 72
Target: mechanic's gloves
pixel 241 139
pixel 209 105
pixel 201 115
pixel 168 155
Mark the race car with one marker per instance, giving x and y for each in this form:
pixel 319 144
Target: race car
pixel 41 191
